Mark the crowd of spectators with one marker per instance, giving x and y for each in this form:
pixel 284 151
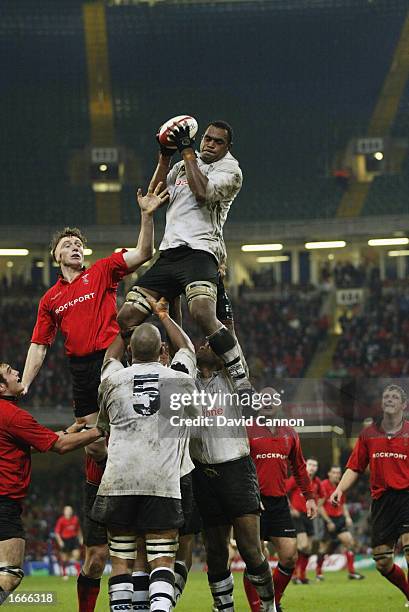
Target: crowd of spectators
pixel 375 339
pixel 345 275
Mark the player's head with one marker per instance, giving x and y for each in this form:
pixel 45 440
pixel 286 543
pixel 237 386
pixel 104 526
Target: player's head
pixel 145 343
pixel 67 247
pixel 216 141
pixel 334 474
pixel 68 512
pixel 207 358
pixel 270 406
pixel 10 384
pixel 312 466
pixel 394 400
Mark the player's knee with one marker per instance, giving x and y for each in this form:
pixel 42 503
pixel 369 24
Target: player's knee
pixel 10 577
pixel 289 559
pixel 251 554
pixel 95 560
pixel 383 563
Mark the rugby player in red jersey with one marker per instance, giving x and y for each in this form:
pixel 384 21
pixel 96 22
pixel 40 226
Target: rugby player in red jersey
pixel 337 526
pixel 69 539
pixel 384 447
pixel 82 304
pixel 271 449
pixel 302 521
pixel 19 433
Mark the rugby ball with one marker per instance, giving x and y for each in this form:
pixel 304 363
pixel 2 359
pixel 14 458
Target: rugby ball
pixel 182 120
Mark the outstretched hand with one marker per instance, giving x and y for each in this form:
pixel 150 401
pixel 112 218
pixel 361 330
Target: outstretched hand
pixel 160 307
pixel 154 199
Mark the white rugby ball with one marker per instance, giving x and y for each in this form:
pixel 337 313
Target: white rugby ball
pixel 183 120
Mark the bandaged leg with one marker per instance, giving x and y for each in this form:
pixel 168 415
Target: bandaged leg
pixel 262 580
pixel 221 587
pixel 226 347
pixel 120 589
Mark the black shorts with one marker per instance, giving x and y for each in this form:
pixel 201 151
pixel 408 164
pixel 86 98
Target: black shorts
pixel 390 517
pixel 138 513
pixel 192 522
pixel 303 524
pixel 225 491
pixel 70 544
pixel 94 533
pixel 86 377
pixel 275 519
pixel 11 525
pixel 177 268
pixel 340 527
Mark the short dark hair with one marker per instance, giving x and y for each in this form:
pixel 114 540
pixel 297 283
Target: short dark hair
pixel 400 390
pixel 67 231
pixel 223 125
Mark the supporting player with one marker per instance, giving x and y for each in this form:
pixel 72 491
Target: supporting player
pixel 202 188
pixel 82 304
pixel 338 523
pixel 302 522
pixel 271 449
pixel 225 486
pixel 19 432
pixel 384 447
pixel 139 493
pixel 68 534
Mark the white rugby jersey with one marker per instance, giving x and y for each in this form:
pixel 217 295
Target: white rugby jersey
pixel 145 452
pixel 212 442
pixel 201 226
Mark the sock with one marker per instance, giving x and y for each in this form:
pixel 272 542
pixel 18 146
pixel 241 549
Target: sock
pixel 87 591
pixel 221 587
pixel 281 577
pixel 262 579
pixel 77 568
pixel 302 565
pixel 350 561
pixel 225 346
pixel 398 578
pixel 3 595
pixel 63 567
pixel 140 596
pixel 162 589
pixel 120 590
pixel 180 578
pixel 252 595
pixel 320 562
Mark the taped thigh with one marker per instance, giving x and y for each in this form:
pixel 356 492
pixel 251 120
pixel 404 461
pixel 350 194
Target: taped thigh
pixel 122 546
pixel 137 298
pixel 163 547
pixel 11 570
pixel 201 289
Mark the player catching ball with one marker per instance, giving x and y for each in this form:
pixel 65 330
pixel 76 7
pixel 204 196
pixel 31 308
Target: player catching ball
pixel 202 188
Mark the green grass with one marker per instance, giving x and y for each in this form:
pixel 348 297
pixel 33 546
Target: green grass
pixel 336 594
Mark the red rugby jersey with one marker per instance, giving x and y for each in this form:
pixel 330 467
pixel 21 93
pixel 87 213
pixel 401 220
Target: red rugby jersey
pixel 271 453
pixel 93 470
pixel 18 433
pixel 67 527
pixel 84 310
pixel 297 499
pixel 387 457
pixel 327 490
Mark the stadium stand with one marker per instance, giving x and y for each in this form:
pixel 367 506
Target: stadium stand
pixel 375 342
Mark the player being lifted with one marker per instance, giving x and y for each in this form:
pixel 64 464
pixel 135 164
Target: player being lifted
pixel 202 188
pixel 225 484
pixel 338 523
pixel 82 304
pixel 384 446
pixel 271 449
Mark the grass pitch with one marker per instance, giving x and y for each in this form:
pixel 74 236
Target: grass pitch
pixel 336 594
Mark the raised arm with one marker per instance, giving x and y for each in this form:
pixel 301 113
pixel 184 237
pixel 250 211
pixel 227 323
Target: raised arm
pixel 154 199
pixel 177 337
pixel 34 360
